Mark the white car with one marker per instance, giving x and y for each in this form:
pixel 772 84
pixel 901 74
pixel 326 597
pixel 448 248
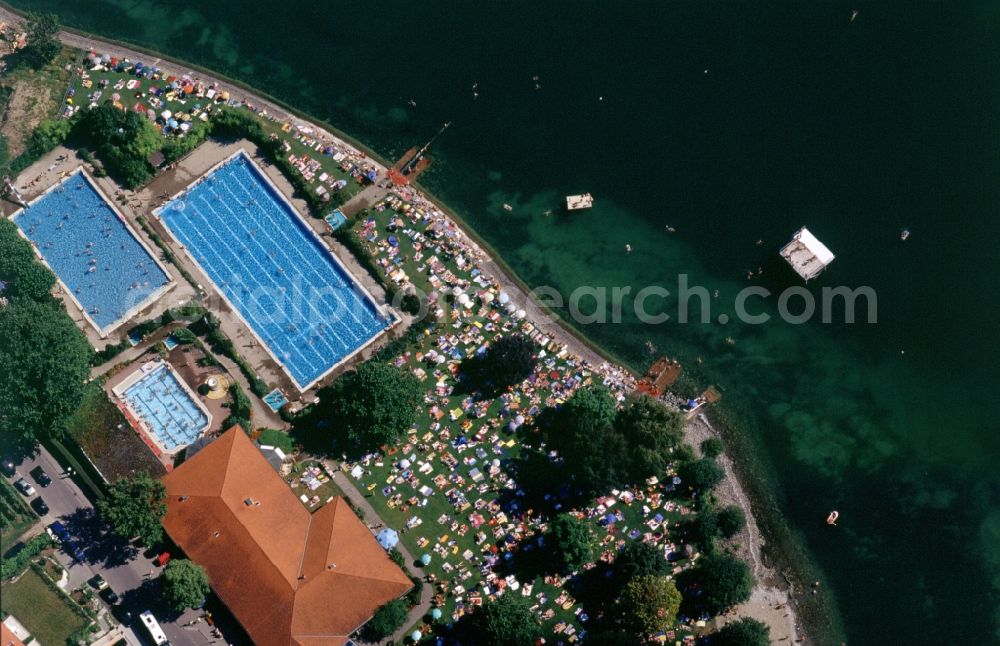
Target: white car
pixel 25 487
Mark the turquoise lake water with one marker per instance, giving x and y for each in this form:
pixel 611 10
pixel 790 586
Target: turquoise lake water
pixel 855 129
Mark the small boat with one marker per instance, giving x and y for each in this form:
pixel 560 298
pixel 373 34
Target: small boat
pixel 507 207
pixel 832 518
pixel 904 234
pixel 854 14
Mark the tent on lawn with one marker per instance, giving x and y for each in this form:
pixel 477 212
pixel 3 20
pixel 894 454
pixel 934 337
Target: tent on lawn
pixel 388 538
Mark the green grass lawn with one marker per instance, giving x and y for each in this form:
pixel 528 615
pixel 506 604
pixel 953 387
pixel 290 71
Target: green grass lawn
pixel 440 466
pixel 299 144
pixel 326 490
pixel 15 516
pixel 46 614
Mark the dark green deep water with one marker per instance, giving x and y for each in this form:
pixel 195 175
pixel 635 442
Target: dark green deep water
pixel 854 129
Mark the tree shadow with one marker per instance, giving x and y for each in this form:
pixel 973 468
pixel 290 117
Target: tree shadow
pixel 319 434
pixel 100 545
pixel 597 589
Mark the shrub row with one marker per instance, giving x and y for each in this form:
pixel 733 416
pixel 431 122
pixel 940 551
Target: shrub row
pixel 14 565
pixel 239 409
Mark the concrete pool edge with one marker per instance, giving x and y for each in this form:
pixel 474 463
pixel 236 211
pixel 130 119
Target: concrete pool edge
pixel 383 311
pixel 153 296
pixel 142 372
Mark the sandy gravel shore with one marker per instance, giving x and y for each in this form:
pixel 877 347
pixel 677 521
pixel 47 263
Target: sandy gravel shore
pixel 770 602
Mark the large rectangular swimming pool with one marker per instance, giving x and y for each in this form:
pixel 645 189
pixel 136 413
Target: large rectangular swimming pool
pixel 98 259
pixel 275 271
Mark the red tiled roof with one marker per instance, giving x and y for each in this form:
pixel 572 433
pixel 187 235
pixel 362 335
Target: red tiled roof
pixel 290 577
pixel 7 637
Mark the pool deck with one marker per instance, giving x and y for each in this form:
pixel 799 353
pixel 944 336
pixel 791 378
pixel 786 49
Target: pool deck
pixel 155 295
pixel 183 360
pixel 135 419
pixel 42 177
pixel 381 308
pixel 171 181
pixel 190 169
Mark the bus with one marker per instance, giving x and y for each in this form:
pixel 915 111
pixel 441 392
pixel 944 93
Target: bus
pixel 153 629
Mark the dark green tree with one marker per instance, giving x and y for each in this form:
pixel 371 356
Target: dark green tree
pixel 43 40
pixel 375 404
pixel 611 638
pixel 507 361
pixel 704 528
pixel 743 632
pixel 731 520
pixel 711 447
pixel 651 430
pixel 507 621
pixel 601 464
pixel 596 456
pixel 723 581
pixel 185 584
pixel 570 543
pixel 649 604
pixel 23 275
pixel 387 620
pixel 701 475
pixel 639 559
pixel 135 507
pixel 588 409
pixel 123 140
pixel 44 360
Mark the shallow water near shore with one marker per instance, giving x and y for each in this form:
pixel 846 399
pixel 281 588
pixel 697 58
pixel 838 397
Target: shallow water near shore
pixel 731 124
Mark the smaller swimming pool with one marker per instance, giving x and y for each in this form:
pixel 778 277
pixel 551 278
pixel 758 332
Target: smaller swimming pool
pixel 336 219
pixel 275 400
pixel 164 406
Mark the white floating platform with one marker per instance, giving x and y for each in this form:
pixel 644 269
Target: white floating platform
pixel 806 254
pixel 579 202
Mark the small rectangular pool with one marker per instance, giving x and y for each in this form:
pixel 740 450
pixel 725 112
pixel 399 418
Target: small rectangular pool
pixel 274 270
pixel 163 406
pixel 108 272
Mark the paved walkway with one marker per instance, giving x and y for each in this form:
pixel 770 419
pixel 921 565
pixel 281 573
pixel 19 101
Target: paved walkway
pixel 263 416
pixel 372 518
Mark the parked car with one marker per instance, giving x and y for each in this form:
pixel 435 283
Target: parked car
pixel 74 550
pixel 42 478
pixel 39 506
pixel 97 581
pixel 25 487
pixel 7 467
pixel 59 532
pixel 162 559
pixel 110 596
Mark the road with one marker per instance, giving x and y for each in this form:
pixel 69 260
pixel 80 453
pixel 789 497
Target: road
pixel 126 568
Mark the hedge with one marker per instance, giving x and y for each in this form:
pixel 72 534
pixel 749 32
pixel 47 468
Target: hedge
pixel 16 564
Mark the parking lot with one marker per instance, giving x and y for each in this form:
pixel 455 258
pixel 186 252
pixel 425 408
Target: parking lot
pixel 128 571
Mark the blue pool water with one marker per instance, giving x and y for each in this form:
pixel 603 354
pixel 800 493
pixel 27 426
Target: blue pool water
pixel 91 250
pixel 336 219
pixel 275 400
pixel 274 271
pixel 166 408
